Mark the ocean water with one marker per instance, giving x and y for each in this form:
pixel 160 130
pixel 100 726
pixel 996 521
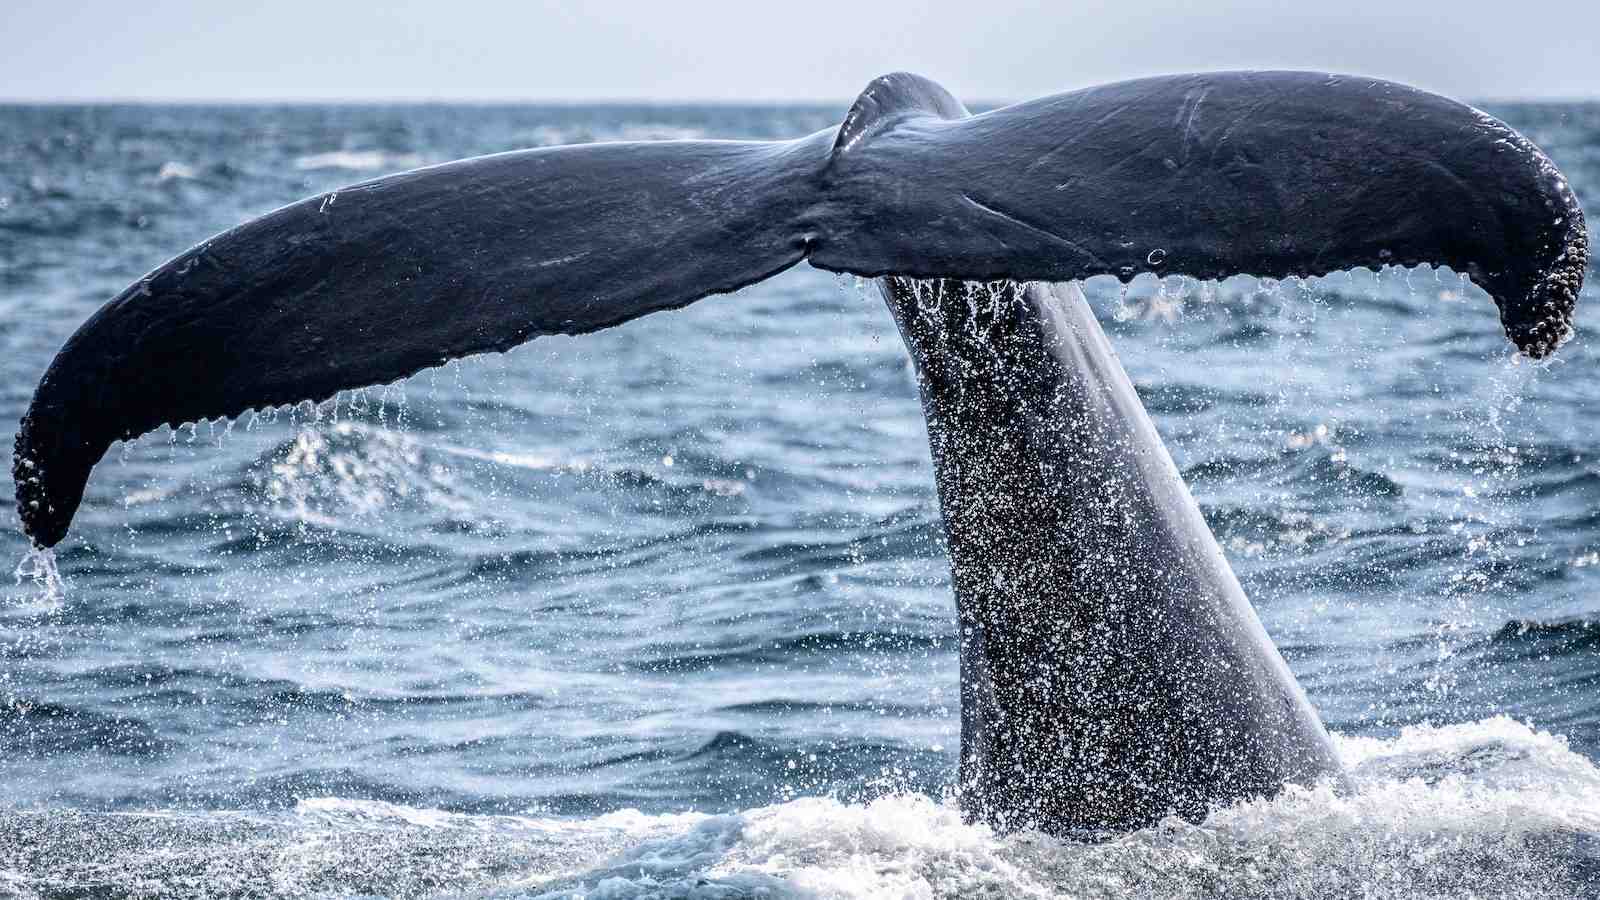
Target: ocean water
pixel 664 611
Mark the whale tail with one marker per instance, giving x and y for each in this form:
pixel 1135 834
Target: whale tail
pixel 1270 174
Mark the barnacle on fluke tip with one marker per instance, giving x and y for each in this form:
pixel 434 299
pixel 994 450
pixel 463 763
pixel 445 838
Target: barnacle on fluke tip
pixel 1545 323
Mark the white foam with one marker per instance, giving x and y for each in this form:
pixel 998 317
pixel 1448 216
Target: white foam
pixel 1484 809
pixel 1493 808
pixel 552 135
pixel 358 161
pixel 173 170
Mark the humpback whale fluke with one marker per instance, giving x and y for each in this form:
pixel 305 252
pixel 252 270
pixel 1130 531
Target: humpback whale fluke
pixel 1261 173
pixel 1112 669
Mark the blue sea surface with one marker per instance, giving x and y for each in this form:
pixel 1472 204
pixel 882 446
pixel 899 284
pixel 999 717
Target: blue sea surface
pixel 664 611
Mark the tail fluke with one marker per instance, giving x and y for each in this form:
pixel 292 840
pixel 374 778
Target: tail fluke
pixel 1272 174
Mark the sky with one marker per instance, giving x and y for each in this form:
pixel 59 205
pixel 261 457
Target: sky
pixel 824 50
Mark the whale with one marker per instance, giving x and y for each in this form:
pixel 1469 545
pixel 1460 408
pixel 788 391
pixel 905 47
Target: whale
pixel 1112 670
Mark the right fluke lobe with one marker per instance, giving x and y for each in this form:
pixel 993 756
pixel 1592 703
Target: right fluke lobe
pixel 1272 174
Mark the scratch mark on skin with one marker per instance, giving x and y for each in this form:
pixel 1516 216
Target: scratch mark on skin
pixel 1188 121
pixel 560 260
pixel 1000 214
pixel 328 201
pixel 1050 154
pixel 1066 105
pixel 1079 136
pixel 1247 115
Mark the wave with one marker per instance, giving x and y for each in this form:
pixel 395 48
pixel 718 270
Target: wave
pixel 42 729
pixel 1534 638
pixel 1489 809
pixel 830 644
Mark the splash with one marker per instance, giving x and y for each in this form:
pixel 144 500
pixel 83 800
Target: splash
pixel 1487 809
pixel 39 567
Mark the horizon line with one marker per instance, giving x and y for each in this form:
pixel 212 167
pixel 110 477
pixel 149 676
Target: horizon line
pixel 402 100
pixel 1553 99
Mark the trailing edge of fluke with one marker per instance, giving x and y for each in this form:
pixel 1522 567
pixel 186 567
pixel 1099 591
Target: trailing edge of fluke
pixel 1261 173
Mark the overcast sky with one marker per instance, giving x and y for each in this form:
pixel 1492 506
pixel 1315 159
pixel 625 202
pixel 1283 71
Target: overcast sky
pixel 798 50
